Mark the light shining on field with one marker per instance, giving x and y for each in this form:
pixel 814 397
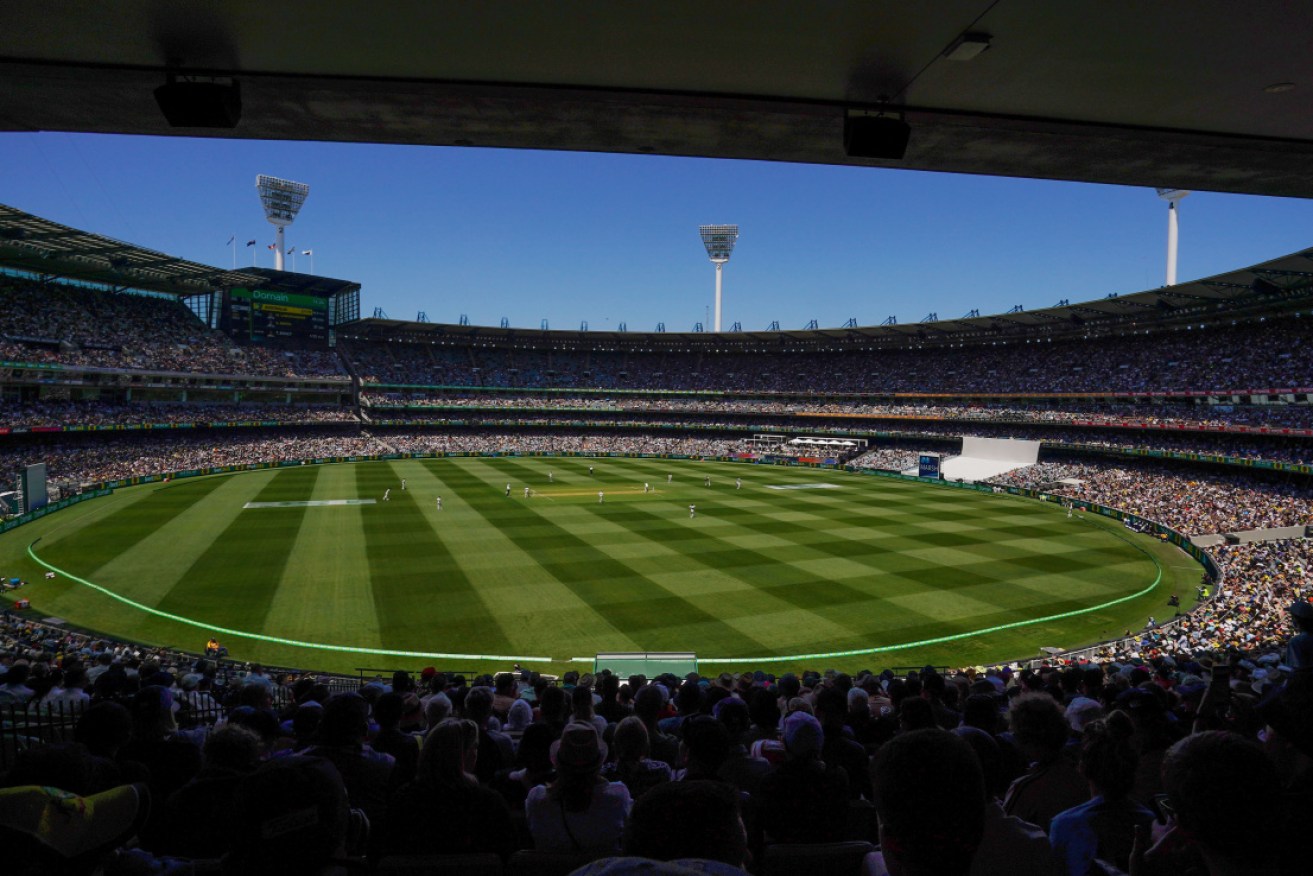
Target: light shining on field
pixel 795 562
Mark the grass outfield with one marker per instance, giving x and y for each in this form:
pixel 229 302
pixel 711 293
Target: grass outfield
pixel 760 573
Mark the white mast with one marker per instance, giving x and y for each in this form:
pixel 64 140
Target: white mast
pixel 1171 196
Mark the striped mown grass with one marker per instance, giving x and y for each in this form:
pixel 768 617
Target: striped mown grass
pixel 784 566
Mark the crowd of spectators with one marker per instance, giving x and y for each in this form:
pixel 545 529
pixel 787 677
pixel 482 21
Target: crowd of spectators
pixel 78 462
pixel 1260 580
pixel 898 459
pixel 524 442
pixel 73 463
pixel 78 326
pixel 1173 760
pixel 1275 449
pixel 1249 356
pixel 419 364
pixel 1172 416
pixel 1192 502
pixel 1195 503
pixel 97 413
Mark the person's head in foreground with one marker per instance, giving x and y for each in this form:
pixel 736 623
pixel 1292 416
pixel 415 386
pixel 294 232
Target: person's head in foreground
pixel 930 799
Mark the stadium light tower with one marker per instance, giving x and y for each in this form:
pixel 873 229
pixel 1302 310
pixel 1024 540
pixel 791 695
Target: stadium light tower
pixel 719 241
pixel 1171 196
pixel 282 200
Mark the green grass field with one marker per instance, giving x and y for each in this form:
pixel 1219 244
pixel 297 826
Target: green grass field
pixel 762 572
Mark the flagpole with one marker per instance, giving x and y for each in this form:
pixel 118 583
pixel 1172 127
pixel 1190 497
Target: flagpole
pixel 233 243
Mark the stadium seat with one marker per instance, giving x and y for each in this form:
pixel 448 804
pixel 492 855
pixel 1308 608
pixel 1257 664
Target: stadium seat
pixel 486 864
pixel 815 859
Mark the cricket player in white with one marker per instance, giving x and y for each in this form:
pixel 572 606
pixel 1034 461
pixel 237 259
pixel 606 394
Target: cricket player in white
pixel 439 501
pixel 600 497
pixel 526 492
pixel 692 511
pixel 670 478
pixel 508 489
pixel 403 485
pixel 387 495
pixel 738 483
pixel 551 478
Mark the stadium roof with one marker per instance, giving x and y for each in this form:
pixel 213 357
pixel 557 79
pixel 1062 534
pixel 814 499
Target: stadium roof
pixel 1214 96
pixel 39 246
pixel 1271 288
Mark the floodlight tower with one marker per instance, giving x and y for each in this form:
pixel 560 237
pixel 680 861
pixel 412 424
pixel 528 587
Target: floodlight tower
pixel 282 200
pixel 1171 196
pixel 719 241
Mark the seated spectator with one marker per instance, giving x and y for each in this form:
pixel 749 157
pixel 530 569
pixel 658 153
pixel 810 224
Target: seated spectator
pixel 496 750
pixel 389 739
pixel 199 818
pixel 292 819
pixel 611 708
pixel 504 695
pixel 930 796
pixel 533 765
pixel 580 811
pixel 445 809
pixel 1288 741
pixel 705 747
pixel 764 710
pixel 69 696
pixel 841 751
pixel 1225 798
pixel 1052 784
pixel 647 707
pixel 739 767
pixel 632 766
pixel 800 800
pixel 694 820
pixel 15 692
pixel 518 718
pixel 1008 843
pixel 171 759
pixel 1299 651
pixel 581 708
pixel 366 773
pixel 1103 827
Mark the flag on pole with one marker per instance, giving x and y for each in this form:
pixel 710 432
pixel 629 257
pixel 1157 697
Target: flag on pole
pixel 273 246
pixel 230 240
pixel 250 243
pixel 307 252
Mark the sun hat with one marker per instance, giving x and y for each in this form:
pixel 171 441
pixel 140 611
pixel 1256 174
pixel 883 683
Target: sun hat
pixel 73 825
pixel 579 749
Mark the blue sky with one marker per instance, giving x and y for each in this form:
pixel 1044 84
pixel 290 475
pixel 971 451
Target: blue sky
pixel 572 237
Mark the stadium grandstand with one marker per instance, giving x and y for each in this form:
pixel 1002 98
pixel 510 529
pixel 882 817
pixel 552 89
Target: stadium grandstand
pixel 1179 742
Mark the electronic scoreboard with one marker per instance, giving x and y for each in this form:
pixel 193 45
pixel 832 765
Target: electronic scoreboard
pixel 260 316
